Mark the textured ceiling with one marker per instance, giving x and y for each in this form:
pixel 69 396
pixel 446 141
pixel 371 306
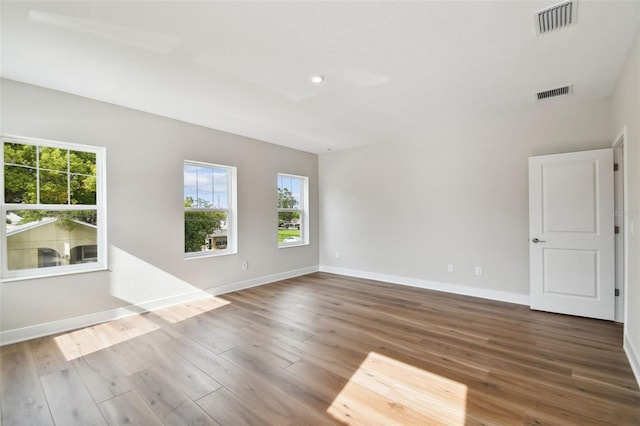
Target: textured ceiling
pixel 392 69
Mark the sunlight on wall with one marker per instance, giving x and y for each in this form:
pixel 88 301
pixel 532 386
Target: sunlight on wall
pixel 177 313
pixel 386 391
pixel 143 284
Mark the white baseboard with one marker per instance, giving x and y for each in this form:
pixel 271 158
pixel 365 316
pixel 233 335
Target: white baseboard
pixel 503 296
pixel 632 356
pixel 45 329
pixel 262 280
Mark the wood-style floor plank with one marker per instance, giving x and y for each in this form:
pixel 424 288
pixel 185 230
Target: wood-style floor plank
pixel 188 413
pixel 228 409
pixel 128 409
pixel 274 405
pixel 157 391
pixel 325 349
pixel 103 373
pixel 23 399
pixel 47 356
pixel 69 400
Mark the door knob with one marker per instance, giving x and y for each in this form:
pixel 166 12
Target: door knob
pixel 536 241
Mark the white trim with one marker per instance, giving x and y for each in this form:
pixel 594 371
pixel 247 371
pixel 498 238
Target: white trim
pixel 51 143
pixel 289 245
pixel 621 139
pixel 68 324
pixel 45 329
pixel 267 279
pixel 61 271
pixel 632 356
pixel 503 296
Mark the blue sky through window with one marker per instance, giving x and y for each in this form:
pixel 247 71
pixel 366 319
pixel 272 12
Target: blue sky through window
pixel 293 184
pixel 208 184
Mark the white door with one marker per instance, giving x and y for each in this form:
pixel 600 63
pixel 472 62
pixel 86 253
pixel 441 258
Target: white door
pixel 571 233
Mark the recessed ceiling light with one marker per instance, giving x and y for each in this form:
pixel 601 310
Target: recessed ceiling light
pixel 317 79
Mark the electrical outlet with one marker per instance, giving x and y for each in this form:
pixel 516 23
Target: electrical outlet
pixel 478 270
pixel 245 265
pixel 337 255
pixel 450 267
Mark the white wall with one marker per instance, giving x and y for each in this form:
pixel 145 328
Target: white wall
pixel 145 156
pixel 625 110
pixel 404 210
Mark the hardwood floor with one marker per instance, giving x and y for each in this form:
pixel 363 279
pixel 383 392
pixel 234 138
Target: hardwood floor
pixel 324 349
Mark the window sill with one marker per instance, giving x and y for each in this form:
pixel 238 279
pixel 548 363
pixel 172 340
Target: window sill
pixel 282 246
pixel 53 274
pixel 205 255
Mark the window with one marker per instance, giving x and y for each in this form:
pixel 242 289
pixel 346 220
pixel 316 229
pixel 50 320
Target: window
pixel 84 254
pixel 209 209
pixel 292 210
pixel 48 257
pixel 53 203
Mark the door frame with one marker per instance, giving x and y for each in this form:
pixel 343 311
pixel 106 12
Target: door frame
pixel 621 142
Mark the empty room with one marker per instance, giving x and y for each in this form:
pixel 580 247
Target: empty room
pixel 320 212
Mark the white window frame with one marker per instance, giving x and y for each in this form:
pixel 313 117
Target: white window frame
pixel 100 207
pixel 232 211
pixel 302 209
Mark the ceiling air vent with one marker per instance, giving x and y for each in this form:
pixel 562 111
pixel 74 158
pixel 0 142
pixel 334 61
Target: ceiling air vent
pixel 560 91
pixel 555 17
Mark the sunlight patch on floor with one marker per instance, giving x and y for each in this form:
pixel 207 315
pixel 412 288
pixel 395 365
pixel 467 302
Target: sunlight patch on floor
pixel 177 313
pixel 387 391
pixel 92 339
